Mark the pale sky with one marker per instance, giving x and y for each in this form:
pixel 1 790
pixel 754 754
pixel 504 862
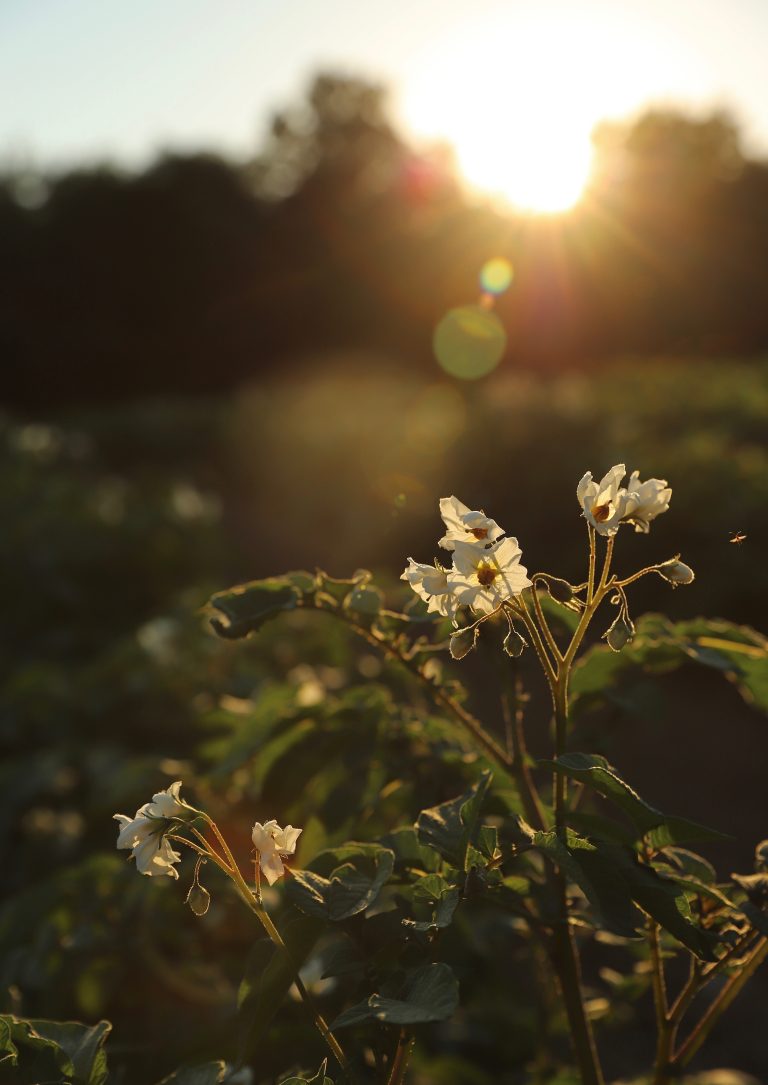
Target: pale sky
pixel 122 79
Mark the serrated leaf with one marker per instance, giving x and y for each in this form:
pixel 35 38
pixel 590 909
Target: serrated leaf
pixel 247 607
pixel 452 826
pixel 431 994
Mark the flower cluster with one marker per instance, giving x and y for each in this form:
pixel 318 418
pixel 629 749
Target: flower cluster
pixel 147 836
pixel 606 505
pixel 486 567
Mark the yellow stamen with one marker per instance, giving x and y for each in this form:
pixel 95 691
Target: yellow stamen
pixel 486 574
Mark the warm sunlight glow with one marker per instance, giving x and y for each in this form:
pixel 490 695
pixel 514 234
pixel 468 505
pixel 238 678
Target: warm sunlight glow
pixel 518 93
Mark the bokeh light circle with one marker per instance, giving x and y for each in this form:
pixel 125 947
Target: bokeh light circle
pixel 469 342
pixel 496 275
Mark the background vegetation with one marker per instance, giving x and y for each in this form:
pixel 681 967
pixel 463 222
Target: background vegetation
pixel 218 371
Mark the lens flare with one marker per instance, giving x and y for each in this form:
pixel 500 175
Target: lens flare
pixel 496 275
pixel 469 342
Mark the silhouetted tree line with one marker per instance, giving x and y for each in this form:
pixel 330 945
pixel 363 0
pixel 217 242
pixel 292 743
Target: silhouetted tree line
pixel 198 274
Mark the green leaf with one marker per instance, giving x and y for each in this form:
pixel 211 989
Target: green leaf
pixel 364 600
pixel 452 826
pixel 616 883
pixel 9 1052
pixel 247 607
pixel 268 977
pixel 208 1073
pixel 738 652
pixel 431 994
pixel 606 891
pixel 662 830
pixel 409 853
pixel 682 831
pixel 82 1044
pixel 76 1050
pixel 435 895
pixel 358 874
pixel 595 771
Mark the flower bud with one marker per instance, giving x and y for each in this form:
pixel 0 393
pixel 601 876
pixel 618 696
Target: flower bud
pixel 676 572
pixel 514 643
pixel 621 632
pixel 560 590
pixel 462 642
pixel 199 899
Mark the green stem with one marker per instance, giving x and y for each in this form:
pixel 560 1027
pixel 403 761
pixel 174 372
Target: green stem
pixel 564 952
pixel 664 1028
pixel 544 625
pixel 528 791
pixel 260 912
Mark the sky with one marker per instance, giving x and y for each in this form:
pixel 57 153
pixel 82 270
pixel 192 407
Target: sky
pixel 85 80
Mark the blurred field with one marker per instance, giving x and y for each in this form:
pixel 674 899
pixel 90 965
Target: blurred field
pixel 123 521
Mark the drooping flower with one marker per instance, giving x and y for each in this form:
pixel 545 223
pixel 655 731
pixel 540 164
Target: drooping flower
pixel 430 582
pixel 466 525
pixel 603 503
pixel 645 501
pixel 483 579
pixel 145 834
pixel 274 844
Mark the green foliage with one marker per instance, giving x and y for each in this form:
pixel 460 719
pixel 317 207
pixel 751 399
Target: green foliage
pixel 430 993
pixel 67 1050
pixel 661 646
pixel 453 827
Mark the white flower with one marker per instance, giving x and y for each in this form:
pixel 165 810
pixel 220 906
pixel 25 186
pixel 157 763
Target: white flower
pixel 483 579
pixel 430 582
pixel 273 845
pixel 466 525
pixel 603 504
pixel 645 501
pixel 145 834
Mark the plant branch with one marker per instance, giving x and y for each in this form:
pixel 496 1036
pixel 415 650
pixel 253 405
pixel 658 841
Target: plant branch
pixel 664 1030
pixel 726 996
pixel 469 722
pixel 401 1056
pixel 543 623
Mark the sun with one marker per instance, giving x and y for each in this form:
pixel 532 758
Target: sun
pixel 517 93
